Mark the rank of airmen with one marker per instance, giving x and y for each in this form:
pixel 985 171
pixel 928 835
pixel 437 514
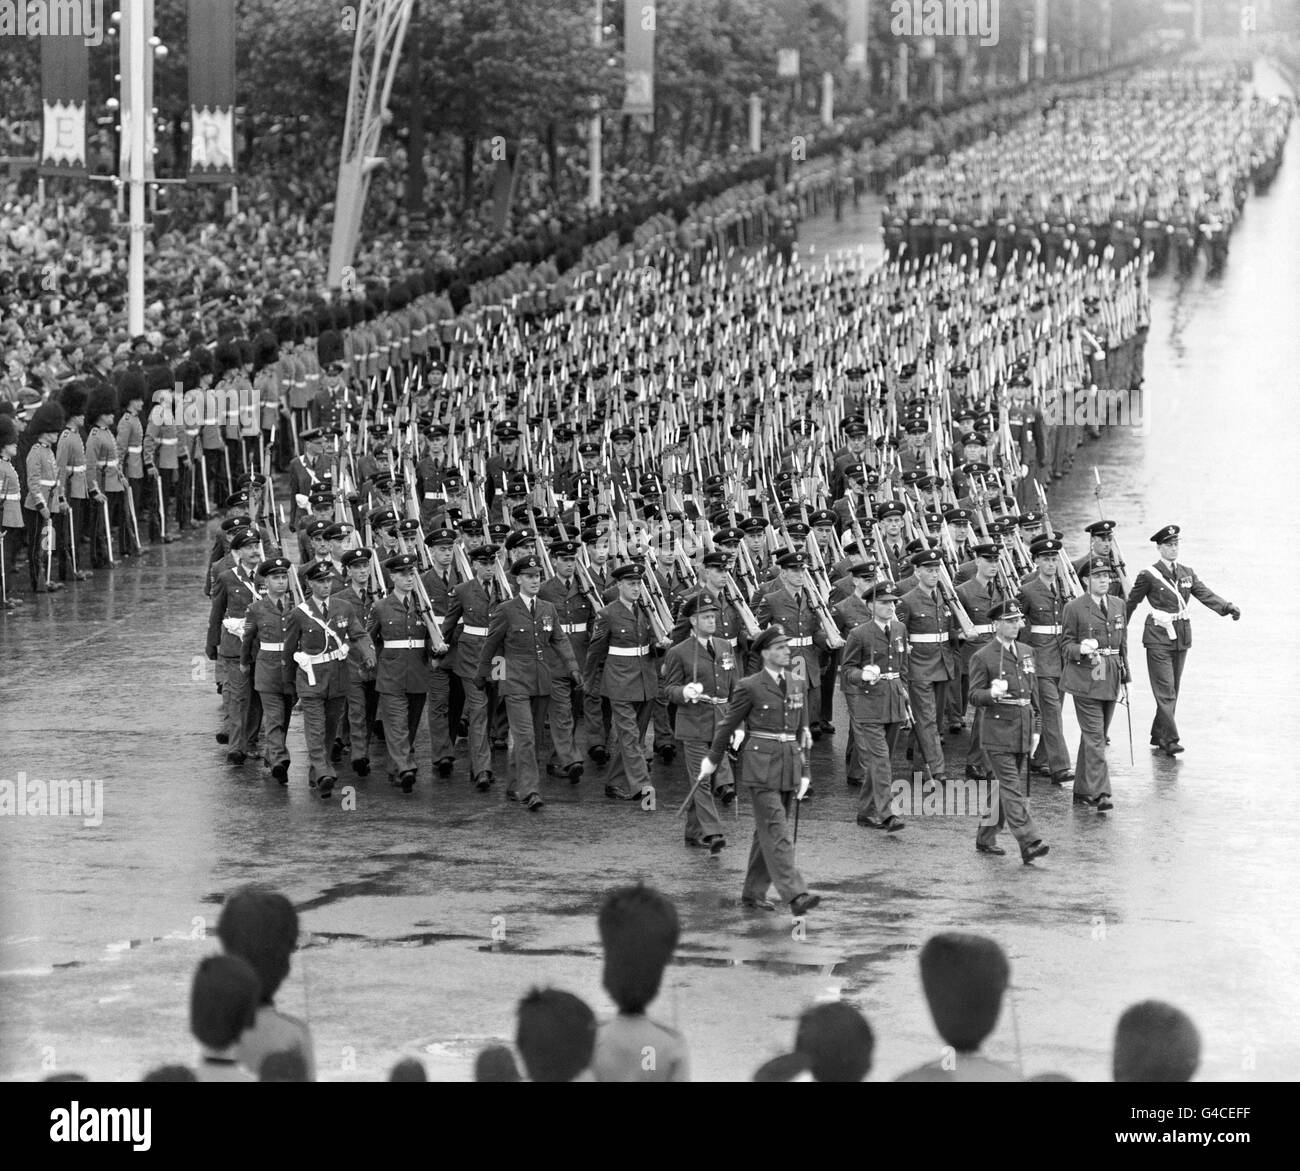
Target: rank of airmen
pixel 697 503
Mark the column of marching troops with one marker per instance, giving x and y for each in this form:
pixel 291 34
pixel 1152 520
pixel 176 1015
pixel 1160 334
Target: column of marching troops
pixel 696 495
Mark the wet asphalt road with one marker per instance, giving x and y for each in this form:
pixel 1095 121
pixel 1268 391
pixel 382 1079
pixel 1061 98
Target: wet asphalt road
pixel 426 917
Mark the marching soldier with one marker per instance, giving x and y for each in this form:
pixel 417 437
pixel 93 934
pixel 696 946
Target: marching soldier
pixel 978 595
pixel 233 592
pixel 464 629
pixel 773 707
pixel 1003 686
pixel 1096 670
pixel 439 582
pixel 621 668
pixel 874 675
pixel 790 606
pixel 262 653
pixel 930 625
pixel 1167 634
pixel 317 640
pixel 574 612
pixel 525 648
pixel 402 670
pixel 363 698
pixel 1101 549
pixel 1043 602
pixel 699 672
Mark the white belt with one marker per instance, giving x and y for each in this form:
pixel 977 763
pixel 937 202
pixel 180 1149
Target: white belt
pixel 573 627
pixel 629 651
pixel 134 450
pixel 887 675
pixel 167 442
pixel 982 629
pixel 272 646
pixel 76 468
pixel 1045 629
pixel 805 640
pixel 1105 652
pixel 433 495
pixel 303 659
pixel 477 631
pixel 108 463
pixel 234 625
pixel 47 483
pixel 780 737
pixel 404 644
pixel 9 496
pixel 927 638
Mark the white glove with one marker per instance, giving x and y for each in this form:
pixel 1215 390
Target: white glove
pixel 870 673
pixel 302 501
pixel 1088 646
pixel 805 783
pixel 736 737
pixel 693 691
pixel 998 687
pixel 1024 470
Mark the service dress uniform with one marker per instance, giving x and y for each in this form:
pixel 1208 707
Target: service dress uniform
pixel 401 677
pixel 1167 634
pixel 1043 602
pixel 932 666
pixel 526 637
pixel 878 707
pixel 711 663
pixel 1007 727
pixel 262 652
pixel 1095 679
pixel 569 707
pixel 774 711
pixel 233 592
pixel 318 639
pixel 621 667
pixel 464 630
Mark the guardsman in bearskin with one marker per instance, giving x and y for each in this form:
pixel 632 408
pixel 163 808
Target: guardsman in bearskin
pixel 1003 686
pixel 11 510
pixel 699 673
pixel 402 674
pixel 1166 587
pixel 130 446
pixel 525 648
pixel 772 705
pixel 262 654
pixel 320 634
pixel 233 592
pixel 104 472
pixel 44 502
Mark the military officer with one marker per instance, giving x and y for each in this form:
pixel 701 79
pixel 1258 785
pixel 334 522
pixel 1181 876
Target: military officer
pixel 233 592
pixel 317 641
pixel 1095 672
pixel 402 647
pixel 1101 548
pixel 1004 687
pixel 1043 601
pixel 772 705
pixel 262 653
pixel 874 675
pixel 978 595
pixel 621 667
pixel 699 672
pixel 525 647
pixel 1166 587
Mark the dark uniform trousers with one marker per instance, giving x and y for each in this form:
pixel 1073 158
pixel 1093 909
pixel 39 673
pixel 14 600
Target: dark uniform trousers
pixel 1095 683
pixel 876 710
pixel 770 773
pixel 1008 735
pixel 629 720
pixel 1052 750
pixel 321 715
pixel 401 716
pixel 527 720
pixel 1165 671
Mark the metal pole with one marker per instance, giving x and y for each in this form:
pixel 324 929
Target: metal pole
pixel 595 163
pixel 755 123
pixel 137 58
